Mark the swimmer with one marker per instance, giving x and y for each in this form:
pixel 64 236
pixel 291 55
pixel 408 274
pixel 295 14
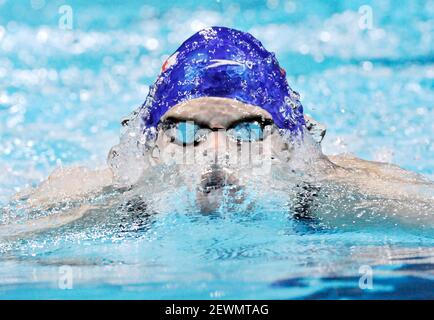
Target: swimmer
pixel 222 122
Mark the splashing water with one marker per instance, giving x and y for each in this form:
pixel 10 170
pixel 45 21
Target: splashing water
pixel 61 97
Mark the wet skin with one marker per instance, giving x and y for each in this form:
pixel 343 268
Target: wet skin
pixel 333 180
pixel 217 116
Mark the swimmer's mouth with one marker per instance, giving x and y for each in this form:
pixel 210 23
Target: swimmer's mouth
pixel 218 185
pixel 214 179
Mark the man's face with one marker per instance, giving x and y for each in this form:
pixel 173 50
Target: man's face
pixel 221 142
pixel 217 132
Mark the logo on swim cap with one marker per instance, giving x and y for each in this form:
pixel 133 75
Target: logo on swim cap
pixel 226 63
pixel 169 62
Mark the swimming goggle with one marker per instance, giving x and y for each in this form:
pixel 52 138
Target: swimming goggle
pixel 189 133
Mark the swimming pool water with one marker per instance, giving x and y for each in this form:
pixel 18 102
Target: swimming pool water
pixel 63 93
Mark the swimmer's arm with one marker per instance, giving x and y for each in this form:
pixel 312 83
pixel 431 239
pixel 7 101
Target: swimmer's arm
pixel 66 185
pixel 15 230
pixel 407 195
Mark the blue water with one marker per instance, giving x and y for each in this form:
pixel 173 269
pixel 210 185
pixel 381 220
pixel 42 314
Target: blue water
pixel 63 92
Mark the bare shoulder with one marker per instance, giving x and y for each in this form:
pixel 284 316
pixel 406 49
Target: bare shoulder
pixel 383 180
pixel 379 170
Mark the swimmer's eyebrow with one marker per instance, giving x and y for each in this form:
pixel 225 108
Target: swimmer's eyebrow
pixel 173 120
pixel 253 118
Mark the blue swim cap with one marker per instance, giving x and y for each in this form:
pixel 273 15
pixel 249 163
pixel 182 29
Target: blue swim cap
pixel 223 62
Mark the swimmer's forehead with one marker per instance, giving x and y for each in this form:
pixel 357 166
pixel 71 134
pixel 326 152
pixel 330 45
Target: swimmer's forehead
pixel 224 111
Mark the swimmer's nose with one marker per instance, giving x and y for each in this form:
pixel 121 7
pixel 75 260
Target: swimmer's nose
pixel 216 125
pixel 217 140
